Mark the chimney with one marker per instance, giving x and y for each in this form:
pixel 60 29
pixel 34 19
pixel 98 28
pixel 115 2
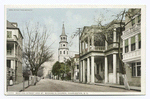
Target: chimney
pixel 14 24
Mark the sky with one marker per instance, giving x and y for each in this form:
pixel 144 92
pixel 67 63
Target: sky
pixel 53 18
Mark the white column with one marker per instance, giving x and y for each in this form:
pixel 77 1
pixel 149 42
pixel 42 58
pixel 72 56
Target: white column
pixel 83 71
pixel 129 41
pixel 136 42
pixel 114 68
pixel 93 41
pixel 80 71
pixel 88 43
pixel 106 69
pixel 92 69
pixel 88 70
pixel 114 37
pixel 12 64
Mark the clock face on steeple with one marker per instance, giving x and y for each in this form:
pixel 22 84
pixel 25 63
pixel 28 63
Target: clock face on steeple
pixel 63 48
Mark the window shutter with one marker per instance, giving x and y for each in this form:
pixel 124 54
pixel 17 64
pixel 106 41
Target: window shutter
pixel 126 42
pixel 133 40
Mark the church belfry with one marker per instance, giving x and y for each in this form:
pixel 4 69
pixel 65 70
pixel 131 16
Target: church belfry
pixel 63 46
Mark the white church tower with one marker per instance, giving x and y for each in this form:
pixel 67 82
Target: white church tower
pixel 63 49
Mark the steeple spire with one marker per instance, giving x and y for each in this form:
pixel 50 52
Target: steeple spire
pixel 63 30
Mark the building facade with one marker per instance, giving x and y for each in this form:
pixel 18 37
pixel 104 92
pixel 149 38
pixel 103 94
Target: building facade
pixel 14 53
pixel 132 47
pixel 99 60
pixel 63 49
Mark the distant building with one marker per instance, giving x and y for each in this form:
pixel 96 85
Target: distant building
pixel 63 49
pixel 75 63
pixel 99 60
pixel 14 53
pixel 132 47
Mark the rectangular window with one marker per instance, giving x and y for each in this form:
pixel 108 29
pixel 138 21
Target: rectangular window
pixel 60 52
pixel 133 21
pixel 9 34
pixel 136 69
pixel 126 46
pixel 64 52
pixel 139 18
pixel 133 43
pixel 139 39
pixel 8 63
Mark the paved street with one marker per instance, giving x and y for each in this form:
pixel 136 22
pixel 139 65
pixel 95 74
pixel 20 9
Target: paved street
pixel 49 85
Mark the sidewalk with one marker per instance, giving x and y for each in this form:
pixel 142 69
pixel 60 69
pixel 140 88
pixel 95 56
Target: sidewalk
pixel 18 87
pixel 118 86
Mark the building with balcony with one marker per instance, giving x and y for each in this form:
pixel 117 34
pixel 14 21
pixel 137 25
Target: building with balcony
pixel 14 53
pixel 132 47
pixel 75 64
pixel 99 60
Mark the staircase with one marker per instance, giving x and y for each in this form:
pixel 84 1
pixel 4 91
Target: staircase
pixel 99 78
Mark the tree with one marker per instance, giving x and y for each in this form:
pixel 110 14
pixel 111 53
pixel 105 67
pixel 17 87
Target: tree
pixel 36 50
pixel 56 69
pixel 60 69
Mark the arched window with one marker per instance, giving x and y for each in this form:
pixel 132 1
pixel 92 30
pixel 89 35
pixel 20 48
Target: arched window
pixel 63 44
pixel 64 52
pixel 60 52
pixel 64 38
pixel 61 38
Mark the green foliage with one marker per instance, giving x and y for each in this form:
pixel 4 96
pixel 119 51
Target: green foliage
pixel 56 69
pixel 64 67
pixel 60 68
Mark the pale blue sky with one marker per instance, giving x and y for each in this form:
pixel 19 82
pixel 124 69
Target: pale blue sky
pixel 53 18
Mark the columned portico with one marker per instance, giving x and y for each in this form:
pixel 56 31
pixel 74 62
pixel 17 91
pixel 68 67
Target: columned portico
pixel 92 69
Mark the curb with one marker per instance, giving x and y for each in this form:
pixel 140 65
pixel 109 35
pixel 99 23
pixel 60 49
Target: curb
pixel 117 87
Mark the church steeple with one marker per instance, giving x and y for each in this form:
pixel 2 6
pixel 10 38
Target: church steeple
pixel 63 30
pixel 63 49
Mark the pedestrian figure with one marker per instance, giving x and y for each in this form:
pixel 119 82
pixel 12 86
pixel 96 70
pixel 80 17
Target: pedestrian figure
pixel 11 80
